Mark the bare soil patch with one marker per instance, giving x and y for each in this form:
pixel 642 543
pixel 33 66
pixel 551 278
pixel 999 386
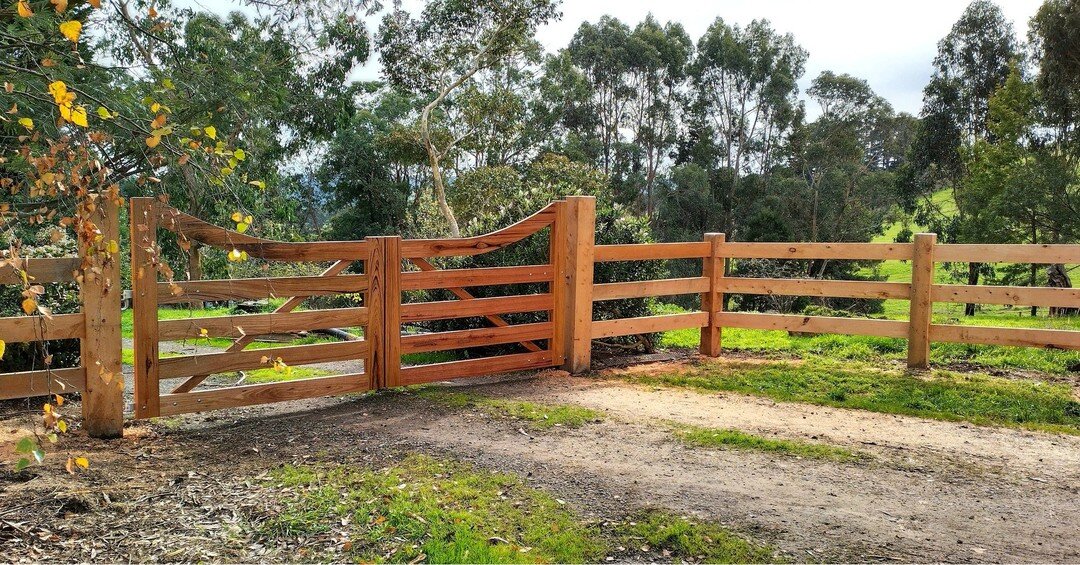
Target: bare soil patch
pixel 188 488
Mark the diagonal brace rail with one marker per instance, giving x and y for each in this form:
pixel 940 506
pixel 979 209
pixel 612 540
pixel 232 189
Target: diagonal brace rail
pixel 242 342
pixel 463 294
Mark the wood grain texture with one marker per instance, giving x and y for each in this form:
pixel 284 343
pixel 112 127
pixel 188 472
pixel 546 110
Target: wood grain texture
pixel 648 324
pixel 232 397
pixel 224 362
pixel 485 276
pixel 480 337
pixel 144 294
pixel 560 313
pixel 922 302
pixel 853 251
pixel 1009 295
pixel 1006 253
pixel 248 289
pixel 261 324
pixel 419 374
pixel 475 307
pixel 712 299
pixel 1021 337
pixel 100 290
pixel 651 251
pixel 392 311
pixel 814 324
pixel 466 246
pixel 22 329
pixel 581 226
pixel 642 289
pixel 41 270
pixel 816 287
pixel 375 268
pixel 28 384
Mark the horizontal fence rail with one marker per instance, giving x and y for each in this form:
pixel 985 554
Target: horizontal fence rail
pixel 549 323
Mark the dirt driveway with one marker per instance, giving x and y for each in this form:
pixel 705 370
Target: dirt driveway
pixel 930 490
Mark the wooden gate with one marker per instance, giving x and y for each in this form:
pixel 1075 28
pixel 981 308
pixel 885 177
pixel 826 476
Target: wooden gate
pixel 547 342
pixel 187 372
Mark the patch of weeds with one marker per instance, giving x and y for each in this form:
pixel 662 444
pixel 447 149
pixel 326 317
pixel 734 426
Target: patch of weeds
pixel 537 415
pixel 680 539
pixel 945 395
pixel 271 375
pixel 697 436
pixel 423 509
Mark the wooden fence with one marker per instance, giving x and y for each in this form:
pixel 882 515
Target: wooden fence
pixel 391 266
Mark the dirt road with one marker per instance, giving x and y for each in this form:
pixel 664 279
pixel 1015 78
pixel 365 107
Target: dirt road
pixel 930 490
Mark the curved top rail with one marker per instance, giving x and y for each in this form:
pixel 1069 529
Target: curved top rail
pixel 204 232
pixel 486 243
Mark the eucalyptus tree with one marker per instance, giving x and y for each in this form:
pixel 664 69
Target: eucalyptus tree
pixel 442 49
pixel 745 89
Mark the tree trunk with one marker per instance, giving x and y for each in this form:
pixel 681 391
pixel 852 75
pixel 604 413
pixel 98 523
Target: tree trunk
pixel 1058 277
pixel 973 279
pixel 195 270
pixel 1032 278
pixel 440 195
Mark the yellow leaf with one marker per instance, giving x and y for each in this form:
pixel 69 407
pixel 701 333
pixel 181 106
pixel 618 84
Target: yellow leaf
pixel 239 154
pixel 29 305
pixel 103 113
pixel 27 123
pixel 82 462
pixel 78 116
pixel 203 332
pixel 237 216
pixel 61 5
pixel 249 220
pixel 59 91
pixel 155 107
pixel 113 246
pixel 153 141
pixel 59 400
pixel 62 426
pixel 242 227
pixel 24 10
pixel 2 347
pixel 71 30
pixel 211 132
pixel 258 184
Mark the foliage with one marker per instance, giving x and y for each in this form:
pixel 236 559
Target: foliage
pixel 691 540
pixel 538 415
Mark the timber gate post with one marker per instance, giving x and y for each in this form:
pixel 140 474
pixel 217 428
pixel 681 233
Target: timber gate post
pixel 575 281
pixel 383 302
pixel 100 289
pixel 712 267
pixel 922 306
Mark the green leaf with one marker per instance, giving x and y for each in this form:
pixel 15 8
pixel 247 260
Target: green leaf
pixel 22 464
pixel 25 445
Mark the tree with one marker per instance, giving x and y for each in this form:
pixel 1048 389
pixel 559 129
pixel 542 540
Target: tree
pixel 745 86
pixel 972 62
pixel 444 48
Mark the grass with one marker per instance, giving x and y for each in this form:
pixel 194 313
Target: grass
pixel 430 510
pixel 944 395
pixel 690 540
pixel 426 509
pixel 868 348
pixel 537 415
pixel 697 436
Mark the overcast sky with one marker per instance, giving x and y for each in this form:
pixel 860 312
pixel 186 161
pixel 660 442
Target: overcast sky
pixel 889 44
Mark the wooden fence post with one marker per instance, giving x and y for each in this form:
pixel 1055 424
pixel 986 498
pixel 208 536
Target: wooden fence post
pixel 144 306
pixel 103 397
pixel 712 301
pixel 922 306
pixel 558 243
pixel 577 282
pixel 383 332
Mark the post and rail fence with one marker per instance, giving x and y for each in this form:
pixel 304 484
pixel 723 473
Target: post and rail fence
pixel 388 266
